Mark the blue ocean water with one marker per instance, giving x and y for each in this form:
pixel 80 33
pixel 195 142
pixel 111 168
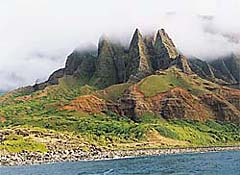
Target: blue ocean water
pixel 214 163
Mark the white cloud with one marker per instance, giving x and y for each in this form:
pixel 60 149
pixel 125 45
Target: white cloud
pixel 36 36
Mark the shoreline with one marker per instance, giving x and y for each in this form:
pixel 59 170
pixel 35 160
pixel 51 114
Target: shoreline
pixel 29 158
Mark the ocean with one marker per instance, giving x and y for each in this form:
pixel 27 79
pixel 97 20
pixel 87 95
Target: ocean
pixel 211 163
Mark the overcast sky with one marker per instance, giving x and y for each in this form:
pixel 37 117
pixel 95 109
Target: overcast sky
pixel 37 35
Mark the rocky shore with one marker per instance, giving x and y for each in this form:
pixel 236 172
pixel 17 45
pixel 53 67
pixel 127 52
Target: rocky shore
pixel 28 158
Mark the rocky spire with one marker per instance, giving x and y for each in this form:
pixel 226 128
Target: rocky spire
pixel 163 41
pixel 112 63
pixel 106 72
pixel 138 58
pixel 165 50
pixel 137 37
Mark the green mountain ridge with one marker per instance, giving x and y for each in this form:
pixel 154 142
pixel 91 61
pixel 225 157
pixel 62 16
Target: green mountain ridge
pixel 146 96
pixel 113 64
pixel 224 70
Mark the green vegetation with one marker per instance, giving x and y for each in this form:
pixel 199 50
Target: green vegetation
pixel 114 92
pixel 17 143
pixel 156 84
pixel 114 132
pixel 44 110
pixel 196 133
pixel 172 78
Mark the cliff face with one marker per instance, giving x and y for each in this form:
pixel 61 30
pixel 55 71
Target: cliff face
pixel 194 98
pixel 81 64
pixel 181 63
pixel 138 59
pixel 165 51
pixel 202 68
pixel 113 64
pixel 106 70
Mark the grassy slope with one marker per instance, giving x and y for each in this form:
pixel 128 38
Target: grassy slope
pixel 43 110
pixel 155 84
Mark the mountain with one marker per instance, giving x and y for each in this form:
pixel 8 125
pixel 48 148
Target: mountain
pixel 113 64
pixel 176 91
pixel 113 97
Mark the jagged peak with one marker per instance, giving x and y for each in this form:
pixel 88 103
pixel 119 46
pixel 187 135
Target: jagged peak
pixel 163 37
pixel 137 32
pixel 162 40
pixel 162 32
pixel 159 34
pixel 139 58
pixel 136 39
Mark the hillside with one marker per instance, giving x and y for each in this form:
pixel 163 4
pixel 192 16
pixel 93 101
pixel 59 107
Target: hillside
pixel 144 96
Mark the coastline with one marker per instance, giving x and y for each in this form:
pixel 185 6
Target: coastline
pixel 28 158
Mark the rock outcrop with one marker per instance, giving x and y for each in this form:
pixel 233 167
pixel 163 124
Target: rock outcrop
pixel 132 104
pixel 181 62
pixel 222 109
pixel 202 68
pixel 138 60
pixel 106 69
pixel 177 103
pixel 164 50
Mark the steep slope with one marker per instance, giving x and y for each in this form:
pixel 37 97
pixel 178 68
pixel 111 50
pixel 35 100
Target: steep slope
pixel 169 108
pixel 80 65
pixel 173 94
pixel 106 69
pixel 165 50
pixel 202 68
pixel 229 67
pixel 225 71
pixel 138 60
pixel 181 63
